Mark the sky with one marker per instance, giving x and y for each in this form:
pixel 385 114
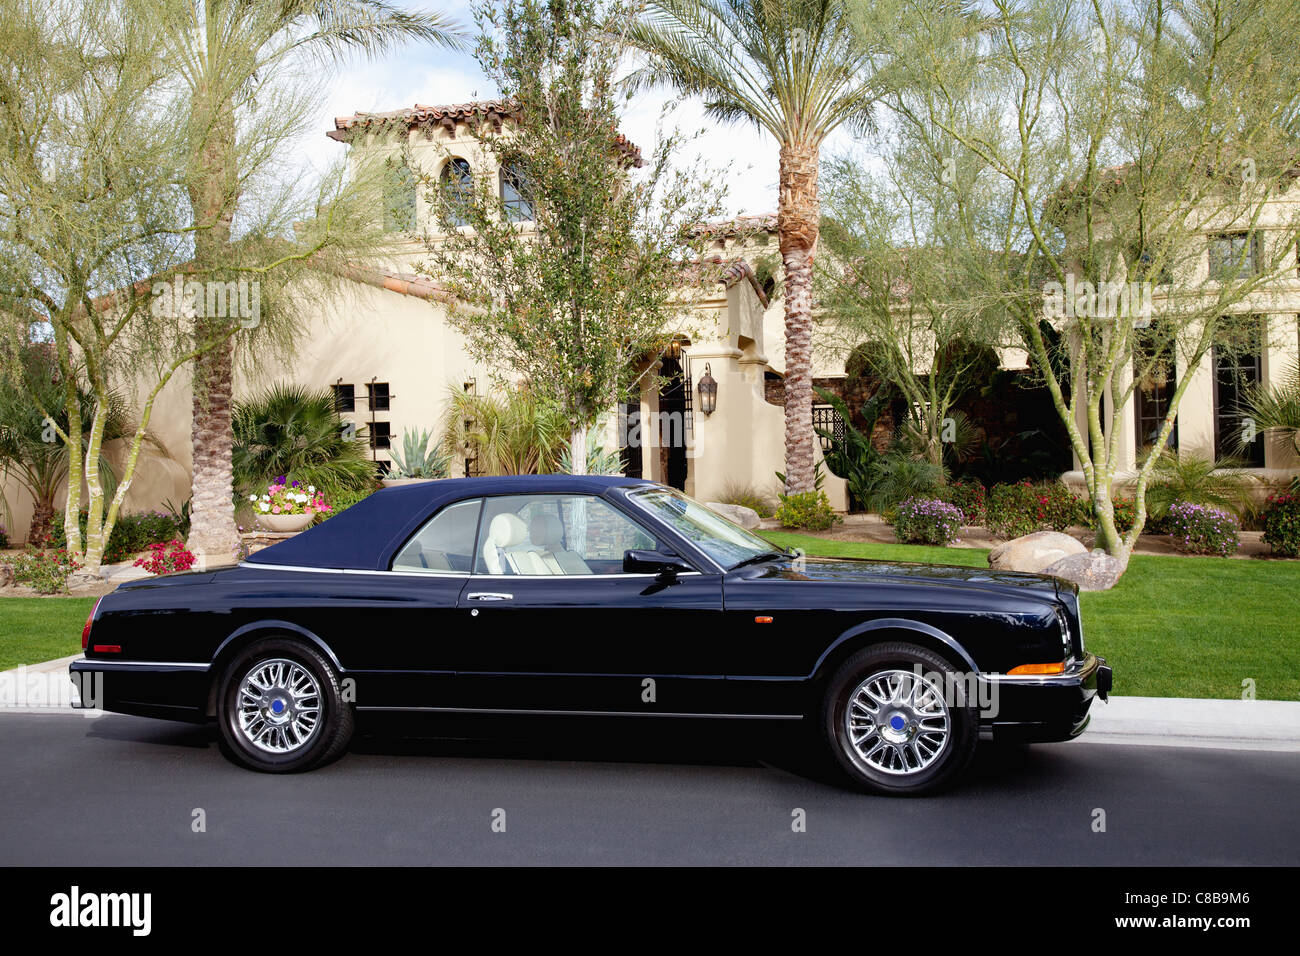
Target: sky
pixel 420 74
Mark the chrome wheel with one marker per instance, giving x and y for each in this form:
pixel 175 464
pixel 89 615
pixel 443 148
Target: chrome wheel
pixel 278 706
pixel 897 722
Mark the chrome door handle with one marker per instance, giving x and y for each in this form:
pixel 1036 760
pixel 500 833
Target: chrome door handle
pixel 489 596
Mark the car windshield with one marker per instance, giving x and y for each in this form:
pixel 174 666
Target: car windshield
pixel 724 542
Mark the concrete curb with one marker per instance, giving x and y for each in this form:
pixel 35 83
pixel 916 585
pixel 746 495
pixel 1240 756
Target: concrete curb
pixel 1193 722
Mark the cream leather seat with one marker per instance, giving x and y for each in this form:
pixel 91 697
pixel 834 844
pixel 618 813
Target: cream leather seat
pixel 505 550
pixel 546 533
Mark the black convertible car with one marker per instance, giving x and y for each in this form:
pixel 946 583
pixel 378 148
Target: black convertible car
pixel 613 597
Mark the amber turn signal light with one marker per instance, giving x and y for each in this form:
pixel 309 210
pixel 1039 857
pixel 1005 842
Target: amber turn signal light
pixel 762 619
pixel 1039 669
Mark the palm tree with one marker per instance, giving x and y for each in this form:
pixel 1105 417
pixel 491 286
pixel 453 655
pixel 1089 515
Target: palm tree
pixel 1277 409
pixel 223 49
pixel 297 432
pixel 510 432
pixel 796 69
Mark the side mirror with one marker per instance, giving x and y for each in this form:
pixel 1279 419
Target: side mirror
pixel 663 563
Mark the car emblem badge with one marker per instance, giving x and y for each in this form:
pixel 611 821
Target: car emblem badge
pixel 897 722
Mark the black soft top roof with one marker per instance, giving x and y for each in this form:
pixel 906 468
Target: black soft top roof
pixel 366 535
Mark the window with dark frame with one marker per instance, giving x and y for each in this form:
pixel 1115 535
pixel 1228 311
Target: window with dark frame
pixel 377 396
pixel 380 436
pixel 345 398
pixel 1155 368
pixel 1234 255
pixel 457 189
pixel 1238 365
pixel 516 196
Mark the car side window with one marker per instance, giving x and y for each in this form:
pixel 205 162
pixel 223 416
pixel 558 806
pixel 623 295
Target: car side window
pixel 446 543
pixel 556 535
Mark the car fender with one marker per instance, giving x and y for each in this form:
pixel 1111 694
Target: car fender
pixel 895 624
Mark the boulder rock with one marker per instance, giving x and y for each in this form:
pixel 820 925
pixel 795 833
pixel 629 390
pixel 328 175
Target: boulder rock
pixel 1034 552
pixel 1092 571
pixel 6 575
pixel 745 517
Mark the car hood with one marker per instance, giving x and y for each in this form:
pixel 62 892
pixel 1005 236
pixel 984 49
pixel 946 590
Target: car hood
pixel 862 571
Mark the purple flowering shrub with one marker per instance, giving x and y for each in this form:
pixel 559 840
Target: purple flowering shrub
pixel 1282 524
pixel 1203 529
pixel 928 521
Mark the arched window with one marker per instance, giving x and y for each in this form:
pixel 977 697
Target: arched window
pixel 516 196
pixel 399 197
pixel 457 189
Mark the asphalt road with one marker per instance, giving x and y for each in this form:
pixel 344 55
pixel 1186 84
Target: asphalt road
pixel 120 790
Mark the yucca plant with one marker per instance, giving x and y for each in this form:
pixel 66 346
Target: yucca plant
pixel 509 432
pixel 421 457
pixel 297 432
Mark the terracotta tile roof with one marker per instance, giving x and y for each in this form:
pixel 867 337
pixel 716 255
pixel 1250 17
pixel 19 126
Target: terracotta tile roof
pixel 447 116
pixel 738 226
pixel 403 283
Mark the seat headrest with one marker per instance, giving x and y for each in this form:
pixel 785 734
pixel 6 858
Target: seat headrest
pixel 545 531
pixel 506 531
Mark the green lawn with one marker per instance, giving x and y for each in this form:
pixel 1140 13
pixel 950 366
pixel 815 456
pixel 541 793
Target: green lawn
pixel 40 629
pixel 1172 627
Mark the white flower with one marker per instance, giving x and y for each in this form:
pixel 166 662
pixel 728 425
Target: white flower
pixel 252 497
pixel 311 489
pixel 265 507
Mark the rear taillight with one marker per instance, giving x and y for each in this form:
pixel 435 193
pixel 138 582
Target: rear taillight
pixel 90 619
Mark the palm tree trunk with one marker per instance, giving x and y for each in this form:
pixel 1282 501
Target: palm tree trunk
pixel 214 536
pixel 797 224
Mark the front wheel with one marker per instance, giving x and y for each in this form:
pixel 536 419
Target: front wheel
pixel 281 710
pixel 898 720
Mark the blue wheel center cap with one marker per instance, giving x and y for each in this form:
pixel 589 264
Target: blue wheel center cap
pixel 897 722
pixel 277 706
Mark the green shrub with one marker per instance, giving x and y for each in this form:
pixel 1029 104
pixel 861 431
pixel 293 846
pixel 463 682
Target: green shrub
pixel 1203 529
pixel 46 571
pixel 131 534
pixel 344 500
pixel 809 510
pixel 898 476
pixel 927 521
pixel 747 497
pixel 1020 509
pixel 1281 520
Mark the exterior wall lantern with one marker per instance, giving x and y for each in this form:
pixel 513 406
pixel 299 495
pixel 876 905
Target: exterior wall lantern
pixel 708 390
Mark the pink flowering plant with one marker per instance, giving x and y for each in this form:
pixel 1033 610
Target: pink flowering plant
pixel 928 521
pixel 287 497
pixel 1203 529
pixel 166 557
pixel 1282 524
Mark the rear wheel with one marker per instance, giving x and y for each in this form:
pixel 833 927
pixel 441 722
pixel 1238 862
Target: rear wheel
pixel 898 721
pixel 281 709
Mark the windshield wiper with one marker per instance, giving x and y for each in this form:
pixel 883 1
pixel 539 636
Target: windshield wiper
pixel 762 556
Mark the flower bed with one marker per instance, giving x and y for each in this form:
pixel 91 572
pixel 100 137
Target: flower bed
pixel 1281 519
pixel 1202 529
pixel 927 521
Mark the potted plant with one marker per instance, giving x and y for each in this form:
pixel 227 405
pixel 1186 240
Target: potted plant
pixel 421 459
pixel 288 506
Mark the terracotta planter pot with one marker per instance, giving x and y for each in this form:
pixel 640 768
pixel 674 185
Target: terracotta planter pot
pixel 284 523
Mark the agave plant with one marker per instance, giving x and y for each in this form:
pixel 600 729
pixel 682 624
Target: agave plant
pixel 599 461
pixel 1277 409
pixel 421 457
pixel 297 431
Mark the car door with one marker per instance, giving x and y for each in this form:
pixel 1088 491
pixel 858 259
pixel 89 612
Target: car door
pixel 552 623
pixel 402 622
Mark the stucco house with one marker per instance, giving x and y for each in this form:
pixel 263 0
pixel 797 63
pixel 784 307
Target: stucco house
pixel 386 347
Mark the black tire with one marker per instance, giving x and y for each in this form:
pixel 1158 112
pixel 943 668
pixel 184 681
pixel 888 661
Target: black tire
pixel 937 765
pixel 331 732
